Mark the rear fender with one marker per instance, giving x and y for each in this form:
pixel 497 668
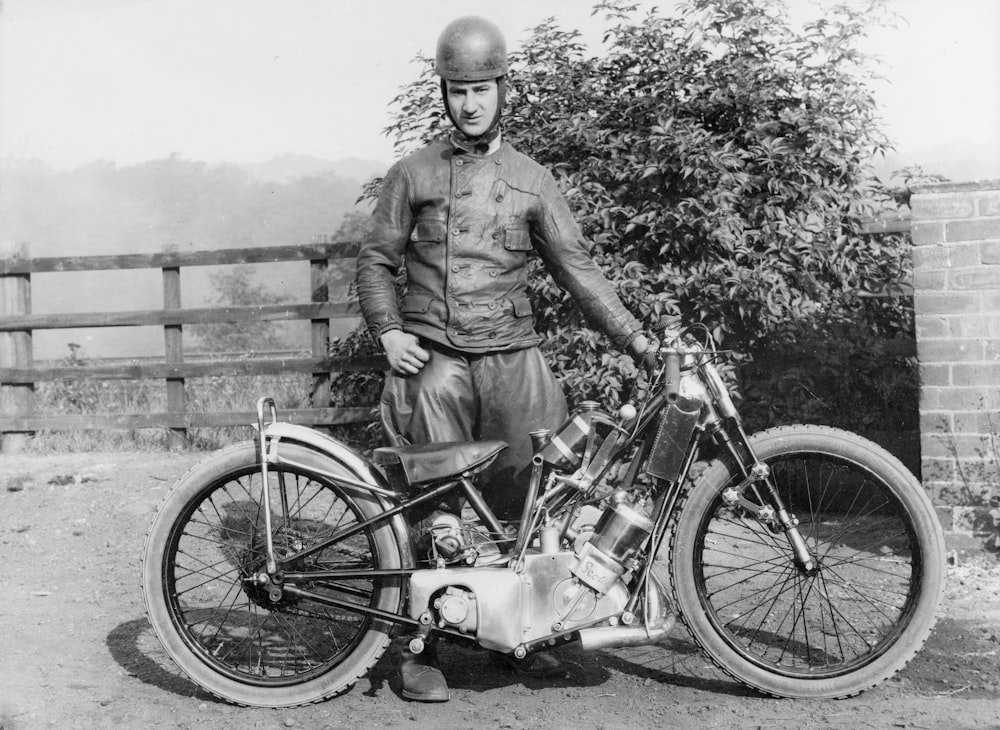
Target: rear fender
pixel 351 470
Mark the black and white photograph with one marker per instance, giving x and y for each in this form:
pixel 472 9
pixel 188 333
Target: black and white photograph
pixel 556 364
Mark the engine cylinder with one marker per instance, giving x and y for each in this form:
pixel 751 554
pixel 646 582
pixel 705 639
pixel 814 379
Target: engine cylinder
pixel 620 532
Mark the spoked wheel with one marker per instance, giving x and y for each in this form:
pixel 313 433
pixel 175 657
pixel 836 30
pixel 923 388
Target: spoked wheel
pixel 233 634
pixel 829 630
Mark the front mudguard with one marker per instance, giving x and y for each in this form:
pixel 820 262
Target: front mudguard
pixel 351 471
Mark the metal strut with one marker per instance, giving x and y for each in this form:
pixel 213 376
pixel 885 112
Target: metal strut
pixel 272 562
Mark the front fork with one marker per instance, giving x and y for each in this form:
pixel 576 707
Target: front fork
pixel 728 432
pixel 771 512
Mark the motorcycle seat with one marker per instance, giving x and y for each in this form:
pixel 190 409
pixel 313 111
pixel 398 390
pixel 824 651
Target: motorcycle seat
pixel 431 462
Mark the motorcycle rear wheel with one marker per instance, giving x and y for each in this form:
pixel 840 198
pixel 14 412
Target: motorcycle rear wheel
pixel 221 629
pixel 834 631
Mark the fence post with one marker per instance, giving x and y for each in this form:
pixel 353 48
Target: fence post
pixel 318 284
pixel 174 351
pixel 15 347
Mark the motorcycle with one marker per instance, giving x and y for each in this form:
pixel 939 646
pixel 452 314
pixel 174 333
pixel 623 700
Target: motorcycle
pixel 806 561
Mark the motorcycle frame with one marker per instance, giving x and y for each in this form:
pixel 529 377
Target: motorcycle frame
pixel 719 420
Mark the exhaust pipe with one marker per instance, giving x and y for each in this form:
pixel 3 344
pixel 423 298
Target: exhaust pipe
pixel 659 621
pixel 615 637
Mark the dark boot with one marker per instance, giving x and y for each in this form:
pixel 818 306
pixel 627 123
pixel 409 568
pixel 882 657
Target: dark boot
pixel 422 680
pixel 539 664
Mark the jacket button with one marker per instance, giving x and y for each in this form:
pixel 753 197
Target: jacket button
pixel 499 198
pixel 454 231
pixel 493 335
pixel 496 234
pixel 454 269
pixel 493 273
pixel 493 305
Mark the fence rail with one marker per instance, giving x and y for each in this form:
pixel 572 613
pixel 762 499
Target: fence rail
pixel 19 373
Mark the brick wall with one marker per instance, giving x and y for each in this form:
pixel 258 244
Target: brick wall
pixel 956 276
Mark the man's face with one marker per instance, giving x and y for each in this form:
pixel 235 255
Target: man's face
pixel 473 104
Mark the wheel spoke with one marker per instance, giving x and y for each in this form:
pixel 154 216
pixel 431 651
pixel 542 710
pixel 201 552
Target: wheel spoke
pixel 231 620
pixel 831 618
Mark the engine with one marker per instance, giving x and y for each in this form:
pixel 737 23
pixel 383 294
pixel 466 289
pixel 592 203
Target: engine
pixel 549 592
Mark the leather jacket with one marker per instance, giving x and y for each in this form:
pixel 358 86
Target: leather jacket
pixel 462 226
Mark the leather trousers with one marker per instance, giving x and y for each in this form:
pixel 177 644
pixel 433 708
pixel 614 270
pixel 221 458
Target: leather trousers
pixel 469 397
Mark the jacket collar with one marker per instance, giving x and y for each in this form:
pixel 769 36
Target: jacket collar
pixel 478 149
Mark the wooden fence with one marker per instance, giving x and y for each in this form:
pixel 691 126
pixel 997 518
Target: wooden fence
pixel 19 373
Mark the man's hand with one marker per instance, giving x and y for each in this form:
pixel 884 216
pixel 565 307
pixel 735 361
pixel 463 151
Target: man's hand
pixel 404 352
pixel 641 352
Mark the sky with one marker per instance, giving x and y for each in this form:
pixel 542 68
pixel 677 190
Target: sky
pixel 247 80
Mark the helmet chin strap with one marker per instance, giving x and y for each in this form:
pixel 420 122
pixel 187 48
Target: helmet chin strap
pixel 480 141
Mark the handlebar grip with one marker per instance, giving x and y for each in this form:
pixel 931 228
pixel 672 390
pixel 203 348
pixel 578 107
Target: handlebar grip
pixel 672 381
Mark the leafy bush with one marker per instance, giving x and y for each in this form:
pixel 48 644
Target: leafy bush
pixel 718 158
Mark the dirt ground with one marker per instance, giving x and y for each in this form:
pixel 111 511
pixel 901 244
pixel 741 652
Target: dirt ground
pixel 76 651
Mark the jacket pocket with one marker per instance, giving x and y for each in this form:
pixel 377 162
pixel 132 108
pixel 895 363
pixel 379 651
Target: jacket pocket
pixel 516 238
pixel 429 230
pixel 522 306
pixel 415 304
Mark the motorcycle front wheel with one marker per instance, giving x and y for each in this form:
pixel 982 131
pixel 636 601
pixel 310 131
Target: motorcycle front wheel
pixel 224 631
pixel 825 631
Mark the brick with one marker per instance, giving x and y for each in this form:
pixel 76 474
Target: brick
pixel 928 280
pixel 934 446
pixel 939 375
pixel 942 445
pixel 978 279
pixel 930 257
pixel 972 520
pixel 945 516
pixel 991 302
pixel 964 254
pixel 975 325
pixel 976 374
pixel 969 449
pixel 942 206
pixel 935 492
pixel 937 470
pixel 967 422
pixel 981 229
pixel 930 398
pixel 952 493
pixel 927 234
pixel 959 398
pixel 989 252
pixel 945 351
pixel 989 423
pixel 947 303
pixel 989 205
pixel 931 327
pixel 991 349
pixel 936 422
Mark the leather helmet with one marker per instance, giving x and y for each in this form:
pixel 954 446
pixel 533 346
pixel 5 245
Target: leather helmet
pixel 471 49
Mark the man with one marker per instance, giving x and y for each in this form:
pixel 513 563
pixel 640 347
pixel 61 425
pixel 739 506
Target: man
pixel 461 217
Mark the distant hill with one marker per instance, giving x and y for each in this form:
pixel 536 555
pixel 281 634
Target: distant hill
pixel 288 168
pixel 103 209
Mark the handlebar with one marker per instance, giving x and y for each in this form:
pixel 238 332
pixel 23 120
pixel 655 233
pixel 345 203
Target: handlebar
pixel 672 377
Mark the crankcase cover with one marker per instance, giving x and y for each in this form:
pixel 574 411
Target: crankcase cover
pixel 498 601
